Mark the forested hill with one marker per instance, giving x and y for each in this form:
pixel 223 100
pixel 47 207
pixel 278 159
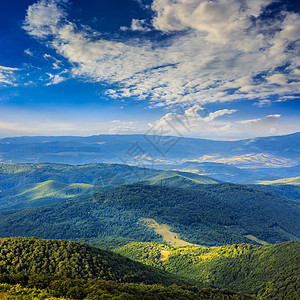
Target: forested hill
pixel 269 272
pixel 216 214
pixel 74 260
pixel 32 268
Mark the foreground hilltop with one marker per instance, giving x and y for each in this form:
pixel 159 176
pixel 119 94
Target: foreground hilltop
pixel 33 268
pixel 267 272
pixel 74 260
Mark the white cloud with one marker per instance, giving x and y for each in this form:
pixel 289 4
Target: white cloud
pixel 262 103
pixel 261 121
pixel 43 18
pixel 137 25
pixel 28 52
pixel 221 21
pixel 218 48
pixel 55 79
pixel 190 123
pixel 7 75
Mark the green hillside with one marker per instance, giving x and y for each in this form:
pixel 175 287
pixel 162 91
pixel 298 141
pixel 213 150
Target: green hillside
pixel 32 268
pixel 40 194
pixel 216 214
pixel 73 260
pixel 287 190
pixel 180 179
pixel 30 185
pixel 103 175
pixel 292 181
pixel 269 272
pixel 66 289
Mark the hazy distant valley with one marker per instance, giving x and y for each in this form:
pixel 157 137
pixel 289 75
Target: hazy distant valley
pixel 242 161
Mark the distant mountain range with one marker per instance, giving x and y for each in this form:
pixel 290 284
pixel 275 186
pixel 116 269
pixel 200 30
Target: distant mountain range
pixel 267 151
pixel 267 158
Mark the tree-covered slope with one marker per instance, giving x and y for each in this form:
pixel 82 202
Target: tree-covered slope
pixel 180 180
pixel 103 175
pixel 44 193
pixel 41 287
pixel 30 185
pixel 216 214
pixel 73 260
pixel 269 272
pixel 287 190
pixel 32 268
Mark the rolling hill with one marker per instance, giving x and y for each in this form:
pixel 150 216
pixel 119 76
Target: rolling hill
pixel 286 190
pixel 268 272
pixel 43 193
pixel 179 179
pixel 73 260
pixel 30 185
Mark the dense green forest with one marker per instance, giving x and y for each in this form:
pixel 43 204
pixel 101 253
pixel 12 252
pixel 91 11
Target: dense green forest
pixel 32 268
pixel 74 260
pixel 38 287
pixel 216 214
pixel 287 190
pixel 268 272
pixel 57 268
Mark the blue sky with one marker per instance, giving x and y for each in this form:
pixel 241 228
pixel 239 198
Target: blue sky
pixel 222 69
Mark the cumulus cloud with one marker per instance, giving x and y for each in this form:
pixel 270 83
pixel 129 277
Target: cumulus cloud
pixel 191 123
pixel 219 21
pixel 43 18
pixel 223 51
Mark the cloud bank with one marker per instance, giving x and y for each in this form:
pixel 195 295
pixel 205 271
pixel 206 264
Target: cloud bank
pixel 192 123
